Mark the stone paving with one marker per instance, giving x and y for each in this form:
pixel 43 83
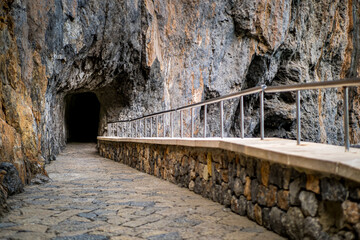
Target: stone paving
pixel 91 197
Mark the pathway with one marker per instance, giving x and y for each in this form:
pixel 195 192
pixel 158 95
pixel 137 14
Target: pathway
pixel 91 197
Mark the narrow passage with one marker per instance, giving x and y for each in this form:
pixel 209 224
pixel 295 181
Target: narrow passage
pixel 91 197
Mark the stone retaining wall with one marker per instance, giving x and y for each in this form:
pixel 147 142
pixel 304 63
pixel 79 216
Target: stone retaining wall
pixel 291 202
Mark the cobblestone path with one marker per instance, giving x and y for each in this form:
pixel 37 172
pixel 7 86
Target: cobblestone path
pixel 91 197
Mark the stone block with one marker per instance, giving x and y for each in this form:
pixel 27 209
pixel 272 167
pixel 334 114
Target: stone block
pixel 254 190
pixel 265 171
pixel 219 194
pixel 231 157
pixel 242 175
pixel 283 199
pixel 293 223
pixel 242 205
pixel 225 175
pixel 238 187
pixel 271 196
pixel 247 189
pixel 258 214
pixel 355 193
pixel 239 205
pixel 205 173
pixel 200 169
pixel 238 169
pixel 202 157
pixel 227 198
pixel 276 175
pixel 295 187
pixel 357 229
pixel 266 217
pixel 309 203
pixel 266 196
pixel 275 220
pixel 243 160
pixel 192 175
pixel 261 195
pixel 287 178
pixel 234 205
pixel 207 189
pixel 351 212
pixel 332 190
pixel 313 183
pixel 198 185
pixel 191 185
pixel 250 210
pixel 209 164
pixel 250 166
pixel 217 156
pixel 312 228
pixel 216 176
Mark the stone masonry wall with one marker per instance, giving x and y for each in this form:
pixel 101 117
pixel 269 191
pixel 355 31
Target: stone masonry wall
pixel 291 202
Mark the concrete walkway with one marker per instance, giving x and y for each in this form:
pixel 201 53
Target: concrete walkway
pixel 91 197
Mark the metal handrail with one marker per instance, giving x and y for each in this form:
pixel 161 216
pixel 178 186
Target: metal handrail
pixel 345 83
pixel 349 82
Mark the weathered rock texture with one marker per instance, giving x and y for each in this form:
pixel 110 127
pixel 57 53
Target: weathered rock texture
pixel 143 56
pixel 291 202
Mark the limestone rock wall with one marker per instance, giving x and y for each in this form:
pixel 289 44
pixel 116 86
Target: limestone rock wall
pixel 143 56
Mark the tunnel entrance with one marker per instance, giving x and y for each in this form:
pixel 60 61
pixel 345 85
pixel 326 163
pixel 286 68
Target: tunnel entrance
pixel 82 117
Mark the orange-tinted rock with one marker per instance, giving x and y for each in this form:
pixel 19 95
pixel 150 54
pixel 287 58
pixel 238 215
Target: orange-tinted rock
pixel 313 183
pixel 224 175
pixel 247 189
pixel 283 200
pixel 258 214
pixel 265 170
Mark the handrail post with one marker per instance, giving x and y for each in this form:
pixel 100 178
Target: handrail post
pixel 144 127
pixel 205 120
pixel 157 123
pixel 242 116
pixel 151 126
pixel 181 125
pixel 164 125
pixel 221 119
pixel 298 118
pixel 136 128
pixel 172 123
pixel 346 119
pixel 262 112
pixel 192 122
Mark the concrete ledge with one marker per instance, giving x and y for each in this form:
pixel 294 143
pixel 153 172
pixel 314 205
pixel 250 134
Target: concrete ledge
pixel 323 158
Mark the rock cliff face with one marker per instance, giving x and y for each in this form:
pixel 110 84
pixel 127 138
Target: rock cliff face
pixel 142 56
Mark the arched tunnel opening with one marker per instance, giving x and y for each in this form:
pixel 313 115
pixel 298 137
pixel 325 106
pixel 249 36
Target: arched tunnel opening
pixel 82 117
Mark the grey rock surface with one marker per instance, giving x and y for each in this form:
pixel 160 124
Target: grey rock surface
pixel 293 223
pixel 11 181
pixel 276 223
pixel 332 190
pixel 309 203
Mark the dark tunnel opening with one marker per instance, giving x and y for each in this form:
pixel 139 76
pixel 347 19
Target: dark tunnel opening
pixel 82 117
